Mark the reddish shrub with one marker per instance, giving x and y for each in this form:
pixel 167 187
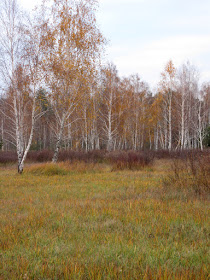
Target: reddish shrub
pixel 40 156
pixel 189 176
pixel 129 160
pixel 8 157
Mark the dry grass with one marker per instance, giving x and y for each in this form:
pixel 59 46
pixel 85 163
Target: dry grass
pixel 96 224
pixel 64 168
pixel 189 177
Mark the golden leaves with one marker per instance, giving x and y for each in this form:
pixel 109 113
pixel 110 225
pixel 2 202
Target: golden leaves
pixel 71 44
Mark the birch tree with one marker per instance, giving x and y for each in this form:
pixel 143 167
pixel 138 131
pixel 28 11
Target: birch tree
pixel 167 87
pixel 203 112
pixel 108 113
pixel 19 77
pixel 187 103
pixel 71 46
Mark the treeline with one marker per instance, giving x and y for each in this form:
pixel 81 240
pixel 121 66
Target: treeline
pixel 56 95
pixel 123 114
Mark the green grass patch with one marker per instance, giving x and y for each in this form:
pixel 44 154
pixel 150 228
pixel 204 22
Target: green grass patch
pixel 96 224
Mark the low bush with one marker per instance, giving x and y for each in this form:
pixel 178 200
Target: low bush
pixel 95 156
pixel 119 159
pixel 176 154
pixel 8 157
pixel 129 160
pixel 71 156
pixel 189 177
pixel 40 156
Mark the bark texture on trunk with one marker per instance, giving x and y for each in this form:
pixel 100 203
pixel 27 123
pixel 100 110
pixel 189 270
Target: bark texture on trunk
pixel 58 143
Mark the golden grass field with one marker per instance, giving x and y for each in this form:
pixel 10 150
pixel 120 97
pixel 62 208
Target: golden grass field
pixel 86 221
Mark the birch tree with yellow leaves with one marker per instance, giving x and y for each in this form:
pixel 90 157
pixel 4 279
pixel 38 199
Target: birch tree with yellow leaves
pixel 167 88
pixel 72 44
pixel 19 77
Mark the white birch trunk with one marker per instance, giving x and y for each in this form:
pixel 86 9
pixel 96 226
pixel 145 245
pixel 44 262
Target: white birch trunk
pixel 170 122
pixel 58 142
pixel 182 123
pixel 109 143
pixel 200 127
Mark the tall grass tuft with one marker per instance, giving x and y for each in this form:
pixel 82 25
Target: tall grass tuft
pixel 48 169
pixel 63 168
pixel 190 176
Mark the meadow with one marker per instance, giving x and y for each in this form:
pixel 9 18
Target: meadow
pixel 98 221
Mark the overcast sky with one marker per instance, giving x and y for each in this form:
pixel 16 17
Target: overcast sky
pixel 144 34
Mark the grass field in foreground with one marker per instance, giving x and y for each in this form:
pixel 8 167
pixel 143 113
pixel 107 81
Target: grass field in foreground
pixel 96 224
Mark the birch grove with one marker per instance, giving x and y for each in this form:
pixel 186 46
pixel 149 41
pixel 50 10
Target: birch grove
pixel 56 94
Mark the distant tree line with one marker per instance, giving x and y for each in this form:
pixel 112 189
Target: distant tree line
pixel 56 95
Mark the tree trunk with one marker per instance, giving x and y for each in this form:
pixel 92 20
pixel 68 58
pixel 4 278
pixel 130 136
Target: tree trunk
pixel 200 127
pixel 170 124
pixel 58 143
pixel 182 123
pixel 109 144
pixel 20 150
pixel 2 135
